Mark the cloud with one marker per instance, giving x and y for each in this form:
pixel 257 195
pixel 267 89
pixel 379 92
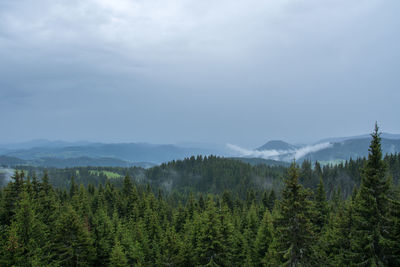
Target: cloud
pixel 301 152
pixel 176 69
pixel 286 155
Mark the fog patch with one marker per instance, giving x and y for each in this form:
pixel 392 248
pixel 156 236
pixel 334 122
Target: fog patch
pixel 5 176
pixel 167 185
pixel 285 155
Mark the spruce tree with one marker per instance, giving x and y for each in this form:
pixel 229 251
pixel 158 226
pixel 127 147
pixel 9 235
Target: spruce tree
pixel 393 250
pixel 210 247
pixel 26 237
pixel 117 257
pixel 369 240
pixel 336 238
pixel 72 243
pixel 293 234
pixel 321 207
pixel 263 238
pixel 271 200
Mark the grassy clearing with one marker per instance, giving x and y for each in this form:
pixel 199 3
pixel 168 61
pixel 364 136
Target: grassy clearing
pixel 110 175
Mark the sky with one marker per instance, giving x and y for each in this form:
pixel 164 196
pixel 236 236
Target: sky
pixel 214 71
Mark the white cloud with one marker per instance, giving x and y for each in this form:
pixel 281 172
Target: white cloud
pixel 286 155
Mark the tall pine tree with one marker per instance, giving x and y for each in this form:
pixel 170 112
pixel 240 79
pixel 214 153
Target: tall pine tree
pixel 369 240
pixel 293 235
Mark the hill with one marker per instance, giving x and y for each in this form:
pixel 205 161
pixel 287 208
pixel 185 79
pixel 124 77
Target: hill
pixel 353 148
pixel 52 162
pixel 276 145
pixel 131 152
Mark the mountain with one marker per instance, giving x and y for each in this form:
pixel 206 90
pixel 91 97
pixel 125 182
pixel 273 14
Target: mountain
pixel 66 154
pixel 353 148
pixel 363 136
pixel 277 145
pixel 11 161
pixel 40 143
pixel 71 162
pixel 329 149
pixel 130 152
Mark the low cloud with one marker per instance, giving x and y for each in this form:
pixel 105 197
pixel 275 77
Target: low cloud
pixel 286 155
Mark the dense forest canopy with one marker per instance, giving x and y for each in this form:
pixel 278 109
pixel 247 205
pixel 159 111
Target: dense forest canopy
pixel 205 211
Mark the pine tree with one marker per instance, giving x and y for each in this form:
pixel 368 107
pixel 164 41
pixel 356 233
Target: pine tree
pixel 337 237
pixel 263 238
pixel 26 237
pixel 393 250
pixel 249 235
pixel 321 207
pixel 73 245
pixel 293 234
pixel 369 240
pixel 271 200
pixel 127 187
pixel 170 246
pixel 210 247
pixel 117 257
pixel 103 236
pixel 11 197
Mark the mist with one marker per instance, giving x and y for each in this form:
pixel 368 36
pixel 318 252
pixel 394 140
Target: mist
pixel 286 155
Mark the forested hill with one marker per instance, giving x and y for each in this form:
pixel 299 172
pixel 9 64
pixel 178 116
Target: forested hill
pixel 352 148
pixel 64 154
pixel 129 223
pixel 127 152
pixel 334 150
pixel 216 175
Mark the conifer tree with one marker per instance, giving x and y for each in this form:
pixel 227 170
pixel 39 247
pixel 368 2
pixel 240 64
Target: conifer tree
pixel 369 240
pixel 117 257
pixel 337 237
pixel 72 244
pixel 11 197
pixel 393 251
pixel 170 246
pixel 271 200
pixel 293 234
pixel 209 246
pixel 103 236
pixel 263 238
pixel 26 237
pixel 321 207
pixel 249 235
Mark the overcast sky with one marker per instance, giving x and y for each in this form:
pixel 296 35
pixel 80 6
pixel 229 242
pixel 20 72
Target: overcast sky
pixel 219 71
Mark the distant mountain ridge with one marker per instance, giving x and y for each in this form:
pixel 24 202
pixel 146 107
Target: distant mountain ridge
pixel 363 136
pixel 71 162
pixel 335 149
pixel 353 148
pixel 277 145
pixel 126 151
pixel 275 152
pixel 42 143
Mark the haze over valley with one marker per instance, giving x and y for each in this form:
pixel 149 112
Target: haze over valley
pixel 69 154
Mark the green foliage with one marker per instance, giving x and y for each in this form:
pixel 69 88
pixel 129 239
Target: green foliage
pixel 205 212
pixel 293 234
pixel 72 243
pixel 263 239
pixel 321 207
pixel 371 210
pixel 117 257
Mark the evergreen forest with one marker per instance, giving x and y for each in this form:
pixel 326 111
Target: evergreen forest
pixel 205 211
